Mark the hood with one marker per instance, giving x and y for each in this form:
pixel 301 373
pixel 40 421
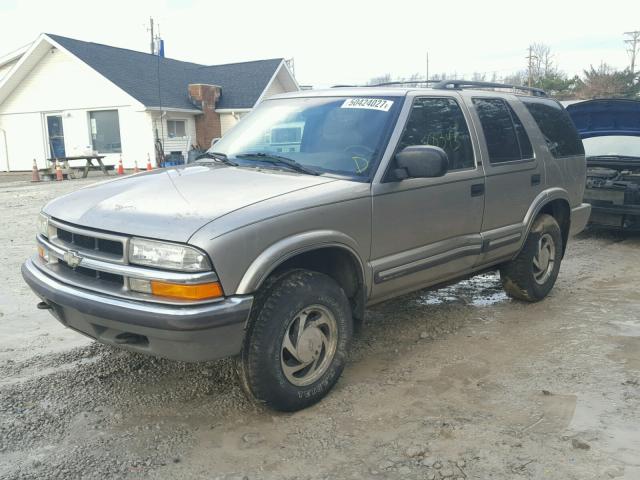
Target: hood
pixel 606 116
pixel 172 204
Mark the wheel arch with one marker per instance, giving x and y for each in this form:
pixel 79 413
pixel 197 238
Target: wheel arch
pixel 554 202
pixel 332 253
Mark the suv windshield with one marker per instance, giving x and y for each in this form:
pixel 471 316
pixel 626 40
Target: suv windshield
pixel 341 135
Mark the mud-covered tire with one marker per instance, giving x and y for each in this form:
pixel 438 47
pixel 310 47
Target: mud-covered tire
pixel 283 301
pixel 522 278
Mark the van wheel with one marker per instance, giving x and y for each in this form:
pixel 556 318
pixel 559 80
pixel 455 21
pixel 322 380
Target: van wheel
pixel 532 274
pixel 297 340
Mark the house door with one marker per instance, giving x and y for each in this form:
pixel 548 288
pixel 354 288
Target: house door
pixel 55 135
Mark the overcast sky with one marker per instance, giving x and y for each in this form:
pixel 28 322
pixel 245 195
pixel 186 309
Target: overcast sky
pixel 344 41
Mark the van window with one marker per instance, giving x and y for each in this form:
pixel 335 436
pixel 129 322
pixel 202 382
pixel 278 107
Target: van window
pixel 556 126
pixel 506 137
pixel 440 122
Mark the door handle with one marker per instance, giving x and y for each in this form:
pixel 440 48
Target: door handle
pixel 477 189
pixel 535 179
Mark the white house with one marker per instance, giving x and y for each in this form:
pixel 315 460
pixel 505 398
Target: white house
pixel 60 97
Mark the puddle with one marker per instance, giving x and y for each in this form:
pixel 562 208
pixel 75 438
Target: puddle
pixel 480 291
pixel 626 328
pixel 617 437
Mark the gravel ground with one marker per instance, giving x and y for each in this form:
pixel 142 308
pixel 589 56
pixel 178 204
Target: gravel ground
pixel 456 384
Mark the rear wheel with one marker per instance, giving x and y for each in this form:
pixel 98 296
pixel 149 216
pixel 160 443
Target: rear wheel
pixel 533 273
pixel 297 341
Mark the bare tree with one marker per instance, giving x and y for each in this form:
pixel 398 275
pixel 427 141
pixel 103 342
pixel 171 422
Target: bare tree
pixel 380 79
pixel 516 78
pixel 540 62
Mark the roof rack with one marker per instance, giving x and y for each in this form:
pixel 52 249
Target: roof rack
pixel 404 82
pixel 457 84
pixel 444 84
pixel 386 84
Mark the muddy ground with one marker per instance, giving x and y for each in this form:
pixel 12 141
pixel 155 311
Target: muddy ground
pixel 460 383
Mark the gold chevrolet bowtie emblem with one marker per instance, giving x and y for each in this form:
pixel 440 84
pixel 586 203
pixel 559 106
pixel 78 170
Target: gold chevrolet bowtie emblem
pixel 73 259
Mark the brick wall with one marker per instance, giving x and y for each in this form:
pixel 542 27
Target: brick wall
pixel 208 123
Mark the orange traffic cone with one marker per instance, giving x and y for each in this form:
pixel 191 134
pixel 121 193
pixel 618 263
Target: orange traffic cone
pixel 135 168
pixel 35 175
pixel 149 167
pixel 59 176
pixel 120 167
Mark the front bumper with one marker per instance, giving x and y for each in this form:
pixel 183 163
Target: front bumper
pixel 188 333
pixel 579 218
pixel 616 216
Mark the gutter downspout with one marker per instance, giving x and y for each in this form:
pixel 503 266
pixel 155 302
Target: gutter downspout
pixel 5 148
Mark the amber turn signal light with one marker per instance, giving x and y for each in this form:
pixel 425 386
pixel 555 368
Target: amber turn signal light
pixel 201 291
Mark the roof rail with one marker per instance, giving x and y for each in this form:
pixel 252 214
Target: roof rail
pixel 404 82
pixel 444 84
pixel 386 84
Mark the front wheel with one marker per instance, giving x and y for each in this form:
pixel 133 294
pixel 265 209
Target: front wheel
pixel 531 275
pixel 297 340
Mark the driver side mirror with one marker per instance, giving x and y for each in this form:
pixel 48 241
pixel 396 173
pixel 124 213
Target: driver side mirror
pixel 421 161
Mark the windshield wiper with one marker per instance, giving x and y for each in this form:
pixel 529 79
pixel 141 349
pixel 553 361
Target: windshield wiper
pixel 278 160
pixel 218 157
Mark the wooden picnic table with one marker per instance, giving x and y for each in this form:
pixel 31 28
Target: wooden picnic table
pixel 89 163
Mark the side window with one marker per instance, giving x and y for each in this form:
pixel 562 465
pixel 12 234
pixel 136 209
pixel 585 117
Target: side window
pixel 556 126
pixel 506 137
pixel 440 122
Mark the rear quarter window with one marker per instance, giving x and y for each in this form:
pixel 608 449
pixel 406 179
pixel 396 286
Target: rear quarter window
pixel 555 124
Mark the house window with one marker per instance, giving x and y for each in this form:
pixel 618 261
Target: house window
pixel 105 131
pixel 176 128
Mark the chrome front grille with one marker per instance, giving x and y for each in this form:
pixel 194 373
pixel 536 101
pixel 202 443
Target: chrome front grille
pixel 100 263
pixel 102 245
pixel 89 243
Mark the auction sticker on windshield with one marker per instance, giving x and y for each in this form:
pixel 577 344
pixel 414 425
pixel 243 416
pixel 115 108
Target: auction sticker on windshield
pixel 368 103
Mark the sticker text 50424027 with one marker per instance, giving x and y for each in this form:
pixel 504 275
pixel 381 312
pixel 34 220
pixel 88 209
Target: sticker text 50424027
pixel 368 103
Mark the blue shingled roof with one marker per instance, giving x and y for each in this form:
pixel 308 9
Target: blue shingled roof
pixel 137 74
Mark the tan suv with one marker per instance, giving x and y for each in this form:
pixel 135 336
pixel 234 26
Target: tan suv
pixel 316 205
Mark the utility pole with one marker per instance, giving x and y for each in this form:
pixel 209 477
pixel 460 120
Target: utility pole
pixel 530 58
pixel 150 29
pixel 427 78
pixel 634 45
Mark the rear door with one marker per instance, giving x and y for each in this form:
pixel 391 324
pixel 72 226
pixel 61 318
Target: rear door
pixel 426 230
pixel 514 170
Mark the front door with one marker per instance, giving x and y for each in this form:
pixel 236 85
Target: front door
pixel 55 136
pixel 427 230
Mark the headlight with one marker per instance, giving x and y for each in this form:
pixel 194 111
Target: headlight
pixel 167 256
pixel 43 225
